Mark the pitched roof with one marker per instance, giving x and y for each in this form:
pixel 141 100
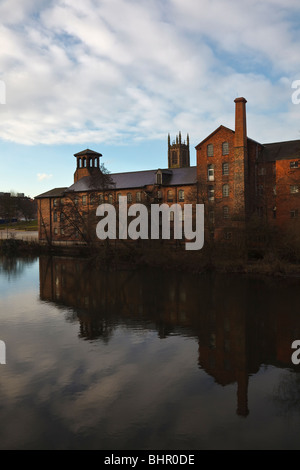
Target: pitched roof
pixel 56 192
pixel 280 151
pixel 214 132
pixel 87 152
pixel 138 179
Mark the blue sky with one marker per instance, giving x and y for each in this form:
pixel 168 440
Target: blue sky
pixel 117 76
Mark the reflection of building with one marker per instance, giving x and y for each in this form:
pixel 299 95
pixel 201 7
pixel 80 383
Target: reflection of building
pixel 238 328
pixel 237 178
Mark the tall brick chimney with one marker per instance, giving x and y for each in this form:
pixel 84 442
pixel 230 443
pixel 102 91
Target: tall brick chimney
pixel 240 179
pixel 240 139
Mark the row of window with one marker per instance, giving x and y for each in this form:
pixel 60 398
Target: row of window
pixel 211 214
pixel 294 189
pixel 211 171
pixel 110 198
pixel 210 149
pixel 211 192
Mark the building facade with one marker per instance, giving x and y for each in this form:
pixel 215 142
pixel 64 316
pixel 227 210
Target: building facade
pixel 239 180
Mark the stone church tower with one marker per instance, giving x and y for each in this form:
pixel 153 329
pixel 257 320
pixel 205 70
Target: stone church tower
pixel 179 152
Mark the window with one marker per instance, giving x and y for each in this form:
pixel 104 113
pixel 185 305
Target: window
pixel 293 164
pixel 62 216
pixel 261 171
pixel 54 202
pixel 62 231
pixel 211 193
pixel 225 148
pixel 138 196
pixel 129 197
pixel 76 201
pixel 84 200
pixel 210 150
pixel 294 213
pixel 110 198
pixel 118 196
pixel 158 194
pixel 92 198
pixel 227 235
pixel 210 173
pixel 225 190
pixel 226 212
pixel 181 195
pixel 55 216
pixel 55 231
pixel 211 216
pixel 225 169
pixel 260 190
pixel 158 178
pixel 174 158
pixel 260 211
pixel 294 188
pixel 100 198
pixel 170 195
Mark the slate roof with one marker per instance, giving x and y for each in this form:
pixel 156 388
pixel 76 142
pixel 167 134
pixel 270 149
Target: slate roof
pixel 129 180
pixel 280 151
pixel 56 192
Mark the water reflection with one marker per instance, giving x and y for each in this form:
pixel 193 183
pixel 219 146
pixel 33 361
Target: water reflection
pixel 240 324
pixel 13 267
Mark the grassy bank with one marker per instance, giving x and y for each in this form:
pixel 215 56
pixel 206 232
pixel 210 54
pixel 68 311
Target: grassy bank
pixel 30 225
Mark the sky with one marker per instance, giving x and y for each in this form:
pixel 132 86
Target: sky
pixel 117 76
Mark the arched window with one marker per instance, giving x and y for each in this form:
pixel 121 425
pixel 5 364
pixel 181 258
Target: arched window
pixel 181 195
pixel 138 196
pixel 226 212
pixel 225 148
pixel 225 190
pixel 129 197
pixel 170 195
pixel 210 193
pixel 174 158
pixel 84 162
pixel 118 196
pixel 110 198
pixel 210 172
pixel 210 150
pixel 225 169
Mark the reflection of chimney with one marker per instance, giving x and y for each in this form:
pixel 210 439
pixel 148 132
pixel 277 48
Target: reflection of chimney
pixel 240 176
pixel 240 138
pixel 242 393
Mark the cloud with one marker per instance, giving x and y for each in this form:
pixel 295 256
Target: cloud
pixel 43 176
pixel 115 71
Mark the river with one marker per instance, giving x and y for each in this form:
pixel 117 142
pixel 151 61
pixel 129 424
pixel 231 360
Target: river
pixel 146 359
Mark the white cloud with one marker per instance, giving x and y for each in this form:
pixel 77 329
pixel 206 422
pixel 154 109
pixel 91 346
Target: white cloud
pixel 111 71
pixel 43 176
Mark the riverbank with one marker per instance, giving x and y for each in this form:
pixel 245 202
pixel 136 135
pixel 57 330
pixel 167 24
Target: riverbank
pixel 110 256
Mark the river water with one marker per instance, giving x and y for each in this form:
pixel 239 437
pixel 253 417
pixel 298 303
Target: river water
pixel 146 359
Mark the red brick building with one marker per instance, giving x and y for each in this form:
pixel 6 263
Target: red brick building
pixel 238 179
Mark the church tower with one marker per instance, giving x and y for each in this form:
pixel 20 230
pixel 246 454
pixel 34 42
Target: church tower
pixel 179 152
pixel 88 163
